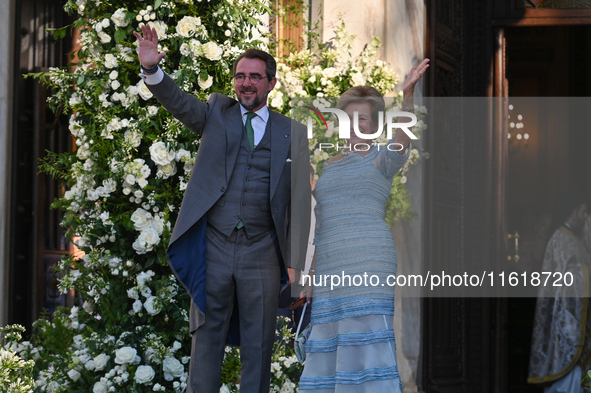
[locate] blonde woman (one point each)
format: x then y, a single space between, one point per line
351 347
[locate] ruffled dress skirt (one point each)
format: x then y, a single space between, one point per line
351 348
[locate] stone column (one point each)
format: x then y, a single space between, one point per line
6 97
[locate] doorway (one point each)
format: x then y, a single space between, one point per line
544 160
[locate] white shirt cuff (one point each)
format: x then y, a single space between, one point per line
153 79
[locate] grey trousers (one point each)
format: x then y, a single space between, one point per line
245 273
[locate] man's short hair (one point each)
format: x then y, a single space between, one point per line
270 63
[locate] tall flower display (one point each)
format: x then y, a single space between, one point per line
128 330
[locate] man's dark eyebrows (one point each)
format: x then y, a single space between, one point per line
252 73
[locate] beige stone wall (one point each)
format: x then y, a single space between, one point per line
400 24
6 105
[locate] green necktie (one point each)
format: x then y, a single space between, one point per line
249 129
250 136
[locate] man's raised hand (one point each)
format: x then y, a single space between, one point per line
148 47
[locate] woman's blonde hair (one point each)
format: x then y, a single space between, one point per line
361 94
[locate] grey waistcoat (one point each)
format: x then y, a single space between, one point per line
247 195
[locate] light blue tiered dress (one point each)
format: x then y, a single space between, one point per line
351 348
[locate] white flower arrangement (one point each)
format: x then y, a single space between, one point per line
16 374
124 183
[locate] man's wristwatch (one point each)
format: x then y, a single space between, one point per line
149 70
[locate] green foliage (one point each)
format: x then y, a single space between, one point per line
16 374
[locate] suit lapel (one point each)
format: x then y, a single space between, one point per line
233 122
280 143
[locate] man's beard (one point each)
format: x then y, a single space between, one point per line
255 102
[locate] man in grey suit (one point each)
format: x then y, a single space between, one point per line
231 242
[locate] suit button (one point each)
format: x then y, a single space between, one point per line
222 189
243 203
238 217
252 156
245 190
247 179
249 168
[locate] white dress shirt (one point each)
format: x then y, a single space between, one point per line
259 122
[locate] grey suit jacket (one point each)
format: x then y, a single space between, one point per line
219 123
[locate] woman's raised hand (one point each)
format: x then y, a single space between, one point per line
148 47
413 77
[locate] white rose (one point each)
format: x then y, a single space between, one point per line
168 170
277 101
114 262
105 38
113 75
100 387
74 375
212 51
125 355
106 23
146 291
118 18
100 361
115 84
172 368
88 307
144 374
83 153
132 293
150 307
152 110
160 154
92 195
132 91
158 224
141 219
143 90
187 26
182 153
160 28
195 48
147 239
110 61
102 192
133 138
224 389
137 306
89 365
142 182
204 84
358 79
